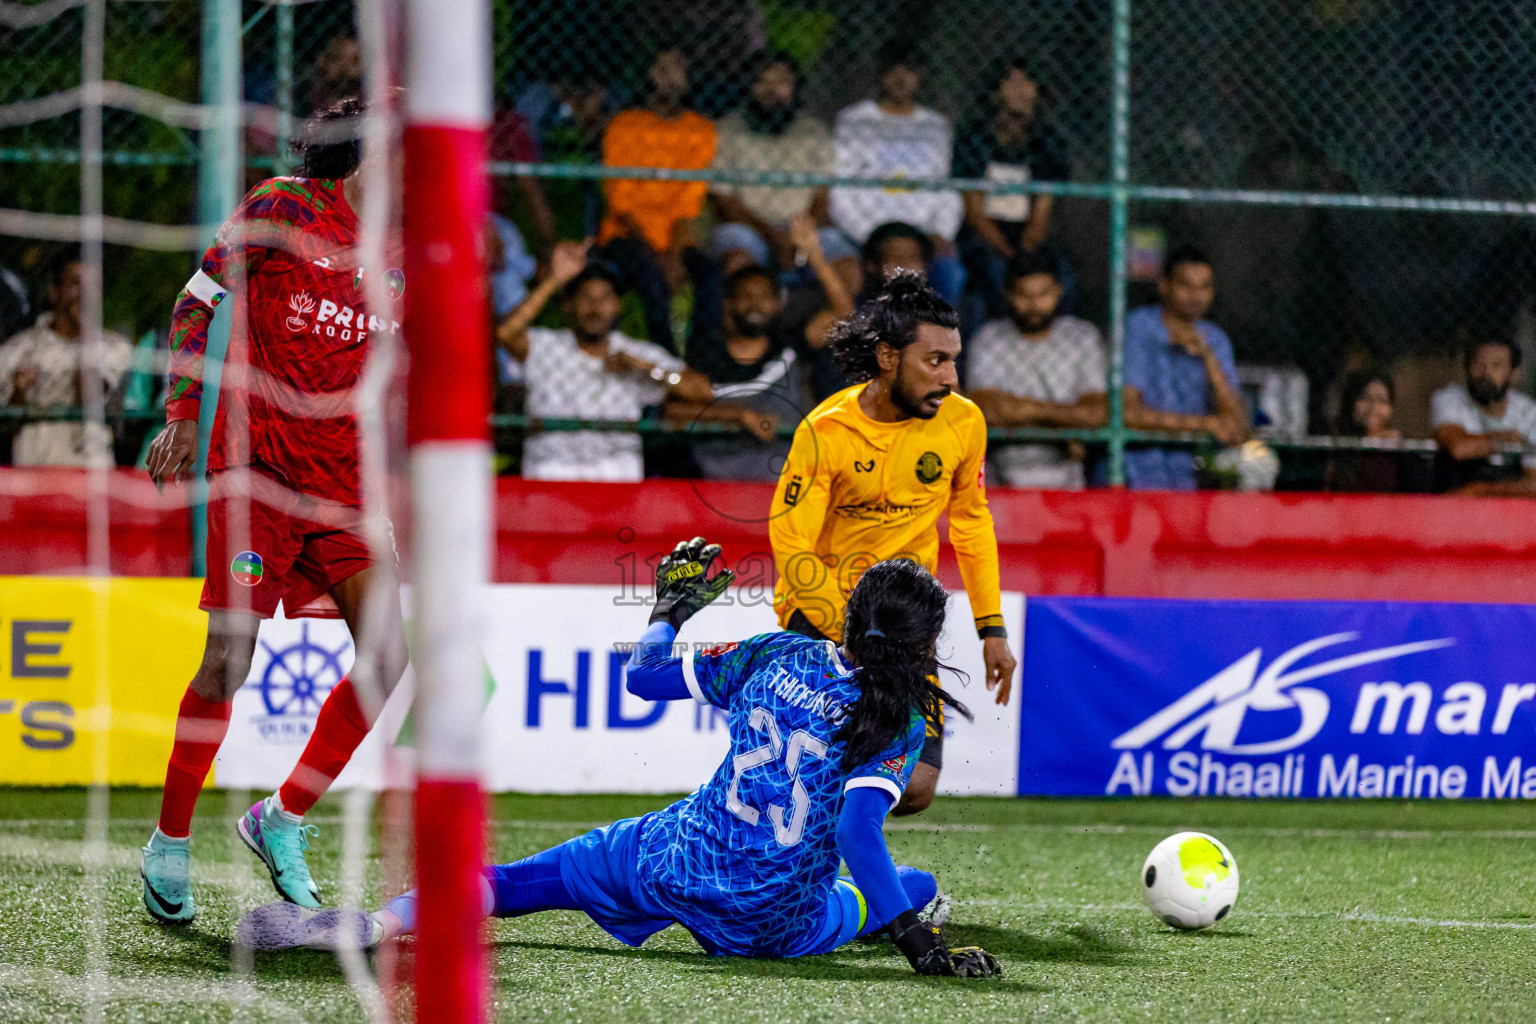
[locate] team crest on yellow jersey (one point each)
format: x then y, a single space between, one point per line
929 468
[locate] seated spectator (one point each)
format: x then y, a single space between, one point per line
893 136
754 366
15 303
719 39
511 265
589 371
1007 143
641 233
889 248
1037 369
567 119
509 268
511 139
771 133
1473 422
40 369
1365 412
1179 374
1365 408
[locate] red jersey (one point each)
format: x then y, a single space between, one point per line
292 247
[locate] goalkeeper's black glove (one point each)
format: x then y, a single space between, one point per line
683 582
923 945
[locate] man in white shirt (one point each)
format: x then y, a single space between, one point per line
1037 369
40 369
589 371
1474 421
771 133
893 136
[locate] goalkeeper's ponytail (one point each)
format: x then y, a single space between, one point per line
891 631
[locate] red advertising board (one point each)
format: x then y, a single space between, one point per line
1125 543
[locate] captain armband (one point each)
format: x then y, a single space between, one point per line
206 290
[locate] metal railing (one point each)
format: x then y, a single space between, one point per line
1396 193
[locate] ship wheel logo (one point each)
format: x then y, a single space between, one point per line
300 676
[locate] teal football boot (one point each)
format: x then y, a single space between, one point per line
280 840
165 869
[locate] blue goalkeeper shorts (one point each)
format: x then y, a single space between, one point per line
601 872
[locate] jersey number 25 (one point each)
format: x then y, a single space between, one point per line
801 744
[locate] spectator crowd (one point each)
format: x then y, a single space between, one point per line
709 304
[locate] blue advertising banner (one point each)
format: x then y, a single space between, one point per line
1125 696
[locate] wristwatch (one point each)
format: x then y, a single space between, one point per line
660 376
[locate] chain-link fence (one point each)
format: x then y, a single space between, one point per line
1354 171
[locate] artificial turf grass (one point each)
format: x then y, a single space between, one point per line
1347 913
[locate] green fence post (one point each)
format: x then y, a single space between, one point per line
218 191
1119 174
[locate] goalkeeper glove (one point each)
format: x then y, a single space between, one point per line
924 948
683 582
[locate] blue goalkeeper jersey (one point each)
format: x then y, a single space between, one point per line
748 859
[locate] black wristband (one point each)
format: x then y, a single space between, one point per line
670 612
798 623
988 626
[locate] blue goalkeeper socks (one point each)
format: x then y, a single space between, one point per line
530 885
405 905
919 885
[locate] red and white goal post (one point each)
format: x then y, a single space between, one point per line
447 109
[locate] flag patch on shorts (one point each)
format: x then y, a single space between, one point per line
246 568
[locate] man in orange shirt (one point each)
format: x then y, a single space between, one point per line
640 232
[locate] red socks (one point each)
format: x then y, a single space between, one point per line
200 728
339 728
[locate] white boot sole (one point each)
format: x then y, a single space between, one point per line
289 926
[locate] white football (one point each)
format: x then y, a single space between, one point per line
1190 881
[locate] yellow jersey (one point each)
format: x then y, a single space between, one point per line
856 491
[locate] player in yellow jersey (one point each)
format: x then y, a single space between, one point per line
869 472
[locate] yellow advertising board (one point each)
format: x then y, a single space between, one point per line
91 675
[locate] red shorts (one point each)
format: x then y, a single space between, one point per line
278 546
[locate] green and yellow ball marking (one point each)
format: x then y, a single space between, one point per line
1199 858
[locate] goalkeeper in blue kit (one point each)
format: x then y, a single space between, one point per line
823 741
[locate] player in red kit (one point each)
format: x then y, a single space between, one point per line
285 510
